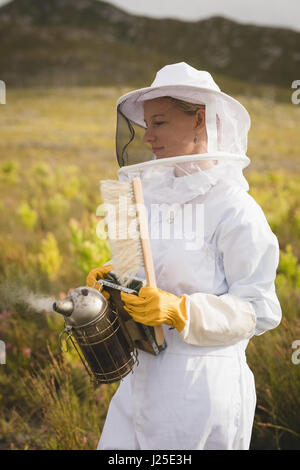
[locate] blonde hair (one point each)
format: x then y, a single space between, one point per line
186 107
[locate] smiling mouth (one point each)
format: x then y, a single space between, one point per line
156 149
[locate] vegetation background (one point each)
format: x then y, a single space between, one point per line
56 143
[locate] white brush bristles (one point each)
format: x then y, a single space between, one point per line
123 229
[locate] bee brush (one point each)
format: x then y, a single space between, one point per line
128 233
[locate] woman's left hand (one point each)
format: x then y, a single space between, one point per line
154 306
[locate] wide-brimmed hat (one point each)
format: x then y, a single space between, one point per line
180 81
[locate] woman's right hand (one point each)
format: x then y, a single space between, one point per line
96 274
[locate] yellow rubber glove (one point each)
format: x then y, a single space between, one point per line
95 275
154 306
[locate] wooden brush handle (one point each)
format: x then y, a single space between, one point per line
146 248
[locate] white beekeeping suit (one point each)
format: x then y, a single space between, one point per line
198 393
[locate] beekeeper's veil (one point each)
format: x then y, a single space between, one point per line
227 121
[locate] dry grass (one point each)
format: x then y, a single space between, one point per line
55 147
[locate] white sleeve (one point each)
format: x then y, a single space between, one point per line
250 255
217 320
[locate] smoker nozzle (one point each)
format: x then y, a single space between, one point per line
65 307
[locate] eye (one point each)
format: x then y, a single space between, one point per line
158 123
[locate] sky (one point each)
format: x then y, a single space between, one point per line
283 13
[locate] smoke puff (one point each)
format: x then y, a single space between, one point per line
12 294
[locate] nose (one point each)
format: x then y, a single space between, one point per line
148 136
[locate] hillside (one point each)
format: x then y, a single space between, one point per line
89 42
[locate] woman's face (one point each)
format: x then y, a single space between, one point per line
171 132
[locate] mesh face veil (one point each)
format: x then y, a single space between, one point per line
130 147
227 121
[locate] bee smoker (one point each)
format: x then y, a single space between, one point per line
104 335
98 334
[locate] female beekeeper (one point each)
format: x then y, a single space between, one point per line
216 278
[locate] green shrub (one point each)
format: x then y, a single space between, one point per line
49 257
27 215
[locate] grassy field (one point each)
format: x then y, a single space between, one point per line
55 146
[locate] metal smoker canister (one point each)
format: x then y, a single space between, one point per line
100 334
